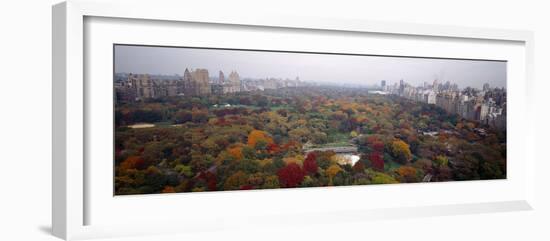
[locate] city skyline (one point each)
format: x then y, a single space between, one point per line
310 67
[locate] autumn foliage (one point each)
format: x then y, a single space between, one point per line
168 189
407 172
133 162
310 163
236 181
332 171
236 152
359 167
295 137
256 136
378 146
401 150
291 175
273 148
376 161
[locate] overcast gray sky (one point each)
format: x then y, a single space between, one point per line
367 70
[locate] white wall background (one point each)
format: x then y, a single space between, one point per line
25 120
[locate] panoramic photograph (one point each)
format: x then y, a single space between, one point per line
192 119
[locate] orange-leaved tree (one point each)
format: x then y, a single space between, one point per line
407 173
236 152
133 162
256 136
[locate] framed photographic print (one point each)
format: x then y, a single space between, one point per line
196 120
202 131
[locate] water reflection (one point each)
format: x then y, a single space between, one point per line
350 159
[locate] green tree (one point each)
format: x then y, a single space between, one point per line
235 181
271 181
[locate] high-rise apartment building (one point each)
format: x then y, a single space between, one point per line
196 82
233 84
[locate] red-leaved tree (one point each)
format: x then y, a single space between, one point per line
291 175
378 146
272 147
377 161
358 167
210 179
310 163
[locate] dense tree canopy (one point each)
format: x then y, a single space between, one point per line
290 137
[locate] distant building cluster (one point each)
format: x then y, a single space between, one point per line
487 106
270 83
134 87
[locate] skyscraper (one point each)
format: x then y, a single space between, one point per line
401 87
435 85
196 82
233 84
221 78
486 87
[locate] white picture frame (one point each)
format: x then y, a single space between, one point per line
71 191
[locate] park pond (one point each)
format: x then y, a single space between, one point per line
344 154
347 158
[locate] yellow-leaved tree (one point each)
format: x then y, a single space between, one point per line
332 171
401 151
